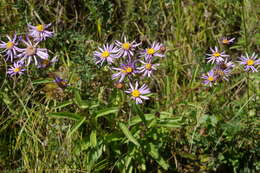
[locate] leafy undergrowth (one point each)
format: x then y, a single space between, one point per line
90 125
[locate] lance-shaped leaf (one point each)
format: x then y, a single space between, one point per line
154 153
79 102
68 115
76 126
106 112
128 134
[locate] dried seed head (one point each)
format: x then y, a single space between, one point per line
162 49
119 85
30 50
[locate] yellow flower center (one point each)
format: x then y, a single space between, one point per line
126 46
9 45
250 62
216 54
40 28
210 78
225 41
30 50
16 70
150 51
135 93
127 70
105 54
148 66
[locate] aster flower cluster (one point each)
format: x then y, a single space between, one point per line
223 64
21 52
131 65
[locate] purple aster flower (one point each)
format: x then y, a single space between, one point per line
216 56
147 68
227 41
210 78
126 48
222 73
17 68
39 32
152 51
44 63
61 82
124 70
137 94
31 51
108 53
250 63
226 64
10 47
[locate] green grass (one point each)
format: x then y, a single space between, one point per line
93 127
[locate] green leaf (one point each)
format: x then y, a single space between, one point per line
170 122
137 119
154 153
115 136
42 81
128 134
79 102
93 138
106 112
68 115
84 144
64 104
187 155
257 38
76 126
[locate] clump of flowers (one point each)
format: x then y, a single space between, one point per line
21 52
131 65
223 64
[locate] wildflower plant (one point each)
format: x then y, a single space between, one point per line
223 64
21 52
131 65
